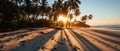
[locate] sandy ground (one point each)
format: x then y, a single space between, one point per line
48 39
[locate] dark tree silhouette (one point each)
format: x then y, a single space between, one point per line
90 17
85 18
37 13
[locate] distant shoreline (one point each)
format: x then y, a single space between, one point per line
114 27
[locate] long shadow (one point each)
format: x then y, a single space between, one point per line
60 44
91 47
14 33
21 35
107 33
105 43
35 43
110 40
17 38
68 39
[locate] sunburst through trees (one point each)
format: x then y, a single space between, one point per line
38 13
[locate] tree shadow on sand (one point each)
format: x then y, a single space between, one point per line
89 45
35 43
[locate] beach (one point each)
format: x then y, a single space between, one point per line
49 39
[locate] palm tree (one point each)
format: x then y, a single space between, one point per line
12 13
43 8
73 8
27 11
90 17
74 5
48 12
57 9
84 18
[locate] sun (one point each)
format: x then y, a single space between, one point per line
63 19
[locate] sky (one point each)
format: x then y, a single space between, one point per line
105 12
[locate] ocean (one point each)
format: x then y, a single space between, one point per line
111 27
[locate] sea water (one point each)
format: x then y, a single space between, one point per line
109 27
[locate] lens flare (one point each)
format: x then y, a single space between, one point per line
63 19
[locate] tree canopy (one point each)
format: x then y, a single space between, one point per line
36 13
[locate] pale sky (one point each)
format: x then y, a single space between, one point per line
105 12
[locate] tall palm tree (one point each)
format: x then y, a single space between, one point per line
12 13
43 8
57 9
73 8
73 4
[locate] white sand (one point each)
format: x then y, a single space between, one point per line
47 39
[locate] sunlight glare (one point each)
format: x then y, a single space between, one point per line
63 19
